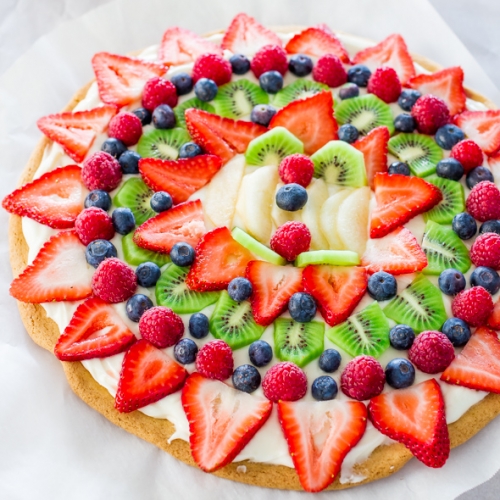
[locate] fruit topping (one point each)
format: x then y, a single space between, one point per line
296 168
129 161
330 257
257 248
385 84
468 153
98 250
348 133
260 353
431 352
262 114
238 98
329 70
483 127
490 226
148 273
182 254
485 250
291 197
408 98
451 282
135 255
213 67
198 325
205 89
299 89
246 378
324 388
448 135
284 381
399 167
96 198
382 286
329 361
162 144
114 281
477 175
239 289
185 351
359 74
457 331
474 306
404 123
449 168
483 202
269 58
399 373
161 201
430 113
163 117
363 378
374 148
271 82
487 278
291 239
348 91
92 224
101 171
137 305
215 360
125 127
123 220
300 65
240 64
401 337
136 196
161 327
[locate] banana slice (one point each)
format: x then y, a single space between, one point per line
328 219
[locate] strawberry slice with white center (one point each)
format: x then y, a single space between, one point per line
182 223
396 253
54 199
310 119
337 290
59 272
494 319
95 331
180 178
374 148
221 419
121 79
147 375
416 418
483 127
319 436
75 131
392 52
272 288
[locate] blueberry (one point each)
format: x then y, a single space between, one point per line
260 353
262 114
329 361
449 168
144 115
98 198
123 220
205 89
399 373
448 135
239 64
239 289
114 147
246 378
404 123
359 74
129 161
457 331
198 325
348 133
408 98
486 277
348 91
183 83
382 286
300 65
451 282
324 388
98 250
291 197
185 351
163 117
161 201
271 82
182 254
464 225
148 273
190 150
490 226
477 175
302 307
137 305
401 337
398 167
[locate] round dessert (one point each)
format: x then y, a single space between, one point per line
272 253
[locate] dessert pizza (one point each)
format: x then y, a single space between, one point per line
272 253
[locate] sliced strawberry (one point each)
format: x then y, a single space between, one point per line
219 259
148 375
483 127
319 436
272 288
337 290
121 79
180 178
185 222
59 272
391 52
95 331
54 199
75 131
416 418
374 148
494 319
396 253
399 199
310 119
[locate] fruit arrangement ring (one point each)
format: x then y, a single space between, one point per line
261 264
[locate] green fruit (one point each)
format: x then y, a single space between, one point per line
453 201
270 148
256 247
332 257
190 103
163 144
237 98
299 89
134 194
135 255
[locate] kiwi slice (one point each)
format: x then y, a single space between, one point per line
444 249
365 112
256 247
418 151
332 257
163 144
238 98
366 332
299 343
134 194
172 291
136 255
453 201
340 164
270 148
233 322
190 103
299 89
419 305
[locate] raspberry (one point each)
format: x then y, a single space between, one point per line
101 171
215 360
159 91
290 239
473 306
485 251
269 57
430 113
431 352
284 381
385 84
329 70
114 281
483 202
363 378
161 326
214 67
468 153
125 127
94 224
297 168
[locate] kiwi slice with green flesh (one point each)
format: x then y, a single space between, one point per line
332 257
190 103
420 305
234 323
299 343
256 247
340 164
162 143
270 148
418 151
135 194
238 98
172 291
444 249
366 332
136 255
453 201
299 89
365 112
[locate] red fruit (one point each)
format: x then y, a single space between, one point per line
485 251
94 224
291 239
337 290
329 70
147 376
161 327
101 171
159 91
59 272
318 461
216 438
374 148
95 331
483 127
269 58
363 378
296 168
284 381
125 127
431 352
310 119
474 306
400 198
415 417
212 66
54 199
75 131
272 288
483 202
385 84
430 113
494 319
215 360
468 153
114 281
